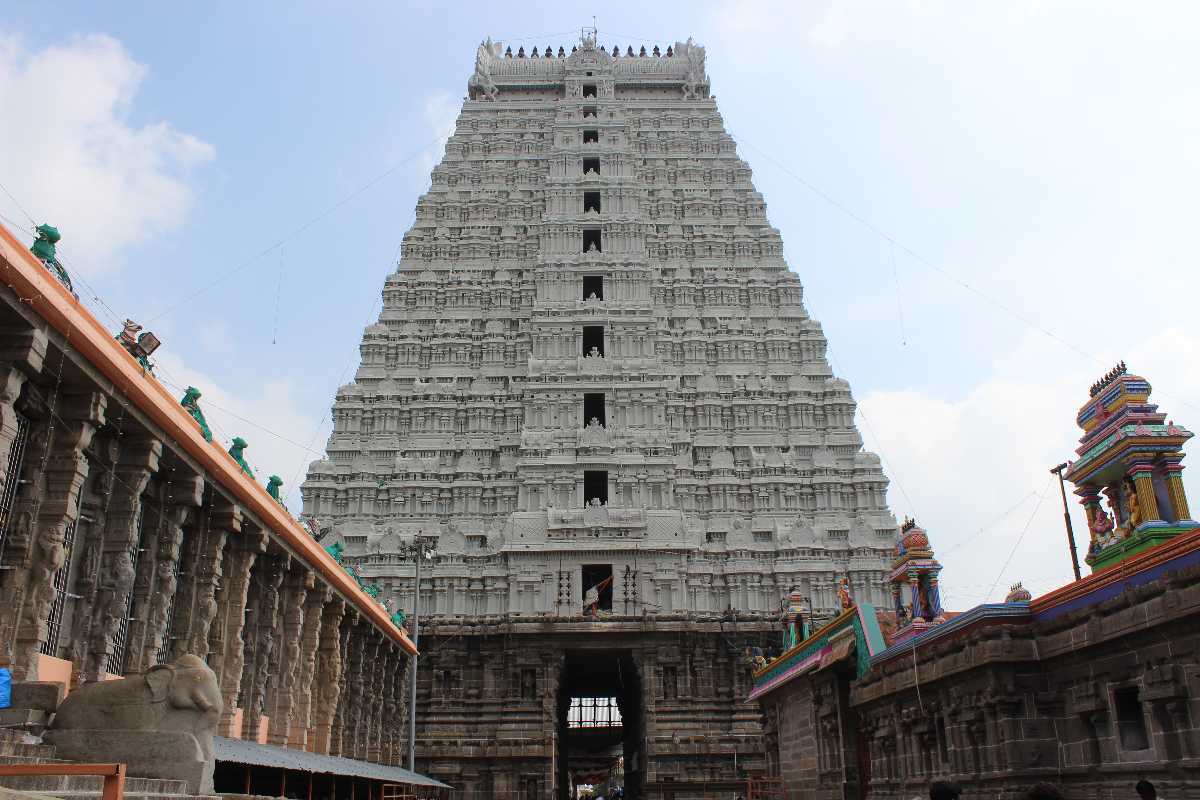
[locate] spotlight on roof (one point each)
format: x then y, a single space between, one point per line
140 346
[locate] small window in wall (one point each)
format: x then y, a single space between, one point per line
591 202
591 137
589 90
529 684
595 487
670 682
593 341
597 587
593 287
589 112
593 408
591 165
591 242
1131 722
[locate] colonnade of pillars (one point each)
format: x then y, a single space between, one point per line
117 553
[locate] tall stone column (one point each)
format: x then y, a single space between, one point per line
310 639
346 730
72 424
22 353
226 637
329 676
261 640
282 702
196 601
136 464
179 494
368 720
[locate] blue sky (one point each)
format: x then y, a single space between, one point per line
1043 154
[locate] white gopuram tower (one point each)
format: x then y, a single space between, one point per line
594 382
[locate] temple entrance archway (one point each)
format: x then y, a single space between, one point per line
600 722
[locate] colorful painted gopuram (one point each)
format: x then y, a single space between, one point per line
1130 454
914 580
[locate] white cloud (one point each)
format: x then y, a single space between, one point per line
439 111
831 30
72 157
980 462
274 416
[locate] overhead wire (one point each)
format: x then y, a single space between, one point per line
1021 538
296 231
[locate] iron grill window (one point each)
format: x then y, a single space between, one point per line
16 460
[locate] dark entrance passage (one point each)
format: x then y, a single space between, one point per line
600 729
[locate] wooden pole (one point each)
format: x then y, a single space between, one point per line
247 779
283 783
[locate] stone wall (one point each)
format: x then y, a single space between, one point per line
1092 699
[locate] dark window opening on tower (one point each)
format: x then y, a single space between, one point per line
597 589
595 487
1131 721
589 90
591 137
591 242
593 340
589 112
591 165
593 408
591 202
593 287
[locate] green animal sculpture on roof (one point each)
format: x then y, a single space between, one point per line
336 549
372 589
235 450
190 404
44 248
399 618
273 484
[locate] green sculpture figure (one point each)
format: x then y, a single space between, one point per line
336 549
192 407
398 619
372 589
235 450
44 248
273 484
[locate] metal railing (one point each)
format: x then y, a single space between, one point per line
113 774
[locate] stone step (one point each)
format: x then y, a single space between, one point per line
24 719
58 785
26 749
30 760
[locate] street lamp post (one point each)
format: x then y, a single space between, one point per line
1062 487
418 549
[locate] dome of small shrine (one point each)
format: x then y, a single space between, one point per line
913 537
1018 594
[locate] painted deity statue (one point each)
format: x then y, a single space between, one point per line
843 593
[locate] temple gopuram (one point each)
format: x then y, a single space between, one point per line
1091 687
1131 456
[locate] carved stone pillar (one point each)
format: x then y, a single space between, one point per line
329 676
310 639
178 493
340 743
137 461
52 507
372 699
22 353
227 648
196 601
281 706
261 643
